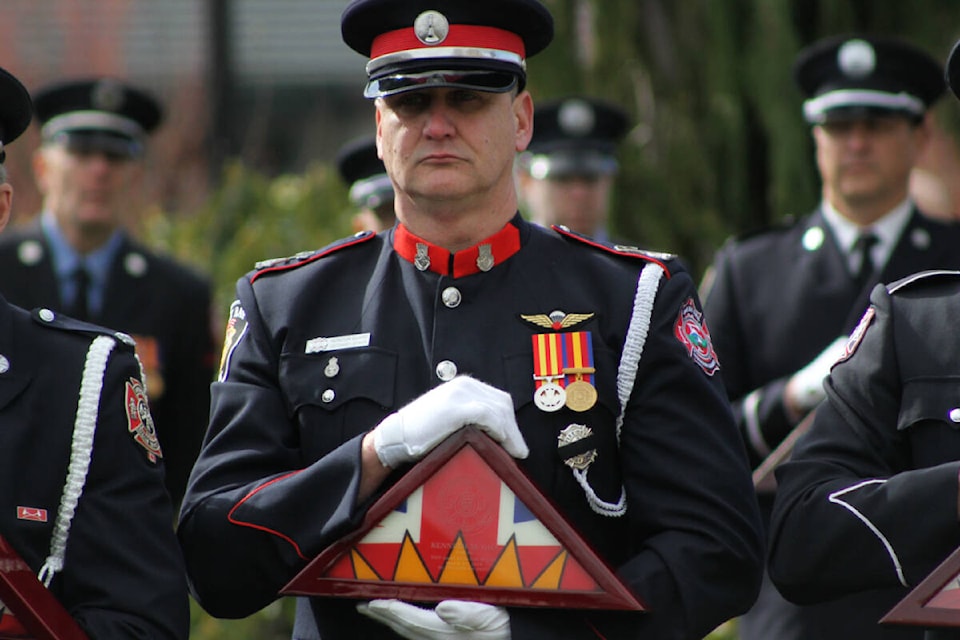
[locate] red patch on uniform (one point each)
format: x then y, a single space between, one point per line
32 513
140 421
691 330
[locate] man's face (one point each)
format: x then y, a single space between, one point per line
578 202
88 191
867 161
451 144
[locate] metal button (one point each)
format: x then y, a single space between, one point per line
451 297
4 364
955 415
446 370
46 315
332 368
328 395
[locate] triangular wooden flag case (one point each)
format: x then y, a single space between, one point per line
466 523
935 602
39 615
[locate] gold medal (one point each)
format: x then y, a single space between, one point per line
581 395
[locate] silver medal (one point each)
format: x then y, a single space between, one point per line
550 397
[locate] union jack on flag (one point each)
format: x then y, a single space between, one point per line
463 526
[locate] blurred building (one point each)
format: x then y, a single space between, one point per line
268 81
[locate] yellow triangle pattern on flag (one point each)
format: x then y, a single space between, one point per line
458 569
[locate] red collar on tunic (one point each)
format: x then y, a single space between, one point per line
481 257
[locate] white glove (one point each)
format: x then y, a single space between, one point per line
450 619
805 388
411 432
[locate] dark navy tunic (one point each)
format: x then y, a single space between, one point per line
277 477
123 574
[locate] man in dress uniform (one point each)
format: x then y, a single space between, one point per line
566 174
869 498
78 257
371 191
344 367
782 301
82 500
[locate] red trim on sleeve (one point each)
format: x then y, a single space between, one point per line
241 523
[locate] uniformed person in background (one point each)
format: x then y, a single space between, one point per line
82 500
566 175
782 301
78 256
371 191
344 367
869 498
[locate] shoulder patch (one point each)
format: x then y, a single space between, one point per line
55 320
305 257
618 249
923 278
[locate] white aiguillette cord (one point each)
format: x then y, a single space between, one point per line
80 452
647 286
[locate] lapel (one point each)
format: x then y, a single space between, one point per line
924 244
126 296
33 282
13 378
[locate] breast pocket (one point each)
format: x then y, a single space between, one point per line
335 396
333 379
930 418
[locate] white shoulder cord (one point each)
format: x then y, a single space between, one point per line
626 376
80 452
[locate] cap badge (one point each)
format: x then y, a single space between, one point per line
107 95
856 58
576 118
431 27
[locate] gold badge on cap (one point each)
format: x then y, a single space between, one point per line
431 27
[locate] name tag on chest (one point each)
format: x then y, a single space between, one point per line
336 343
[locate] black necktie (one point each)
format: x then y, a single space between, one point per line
862 248
80 309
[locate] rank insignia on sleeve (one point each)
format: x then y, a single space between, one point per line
140 421
556 319
857 336
236 327
691 330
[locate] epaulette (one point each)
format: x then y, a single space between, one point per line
305 257
48 318
617 249
934 276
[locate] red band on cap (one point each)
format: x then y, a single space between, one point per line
460 35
